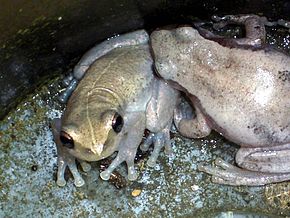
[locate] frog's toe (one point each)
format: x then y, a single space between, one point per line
61 181
168 148
132 174
160 140
147 142
219 175
66 81
68 91
105 175
152 161
78 180
228 174
85 166
284 23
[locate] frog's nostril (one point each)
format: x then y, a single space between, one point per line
66 140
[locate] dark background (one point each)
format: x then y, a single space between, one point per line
40 39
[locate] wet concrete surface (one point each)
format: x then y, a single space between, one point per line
174 188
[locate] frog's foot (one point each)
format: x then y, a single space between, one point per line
67 160
284 23
225 173
132 134
255 31
66 81
159 140
121 157
68 91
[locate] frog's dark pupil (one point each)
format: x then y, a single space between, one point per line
66 140
117 123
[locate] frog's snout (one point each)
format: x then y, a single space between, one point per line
66 140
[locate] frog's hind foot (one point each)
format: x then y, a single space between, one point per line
64 96
225 173
159 140
284 23
254 26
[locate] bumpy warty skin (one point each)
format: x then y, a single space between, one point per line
244 94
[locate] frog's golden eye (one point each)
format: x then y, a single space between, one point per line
117 123
66 140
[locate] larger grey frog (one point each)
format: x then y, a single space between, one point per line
115 101
244 94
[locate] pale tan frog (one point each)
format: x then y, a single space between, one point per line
244 94
115 101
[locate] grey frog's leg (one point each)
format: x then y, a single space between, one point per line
129 39
133 38
159 115
255 31
159 139
69 90
64 159
131 138
260 166
189 125
284 23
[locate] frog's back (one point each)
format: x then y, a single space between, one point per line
251 94
244 94
117 78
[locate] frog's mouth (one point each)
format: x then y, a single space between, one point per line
85 154
97 152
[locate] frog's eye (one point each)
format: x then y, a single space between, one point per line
66 140
117 123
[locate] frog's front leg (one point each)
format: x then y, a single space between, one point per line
129 39
64 159
259 166
159 116
159 140
134 126
255 31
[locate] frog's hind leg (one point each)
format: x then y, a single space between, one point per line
284 23
260 166
275 159
254 26
68 91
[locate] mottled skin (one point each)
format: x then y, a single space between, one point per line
241 93
118 87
